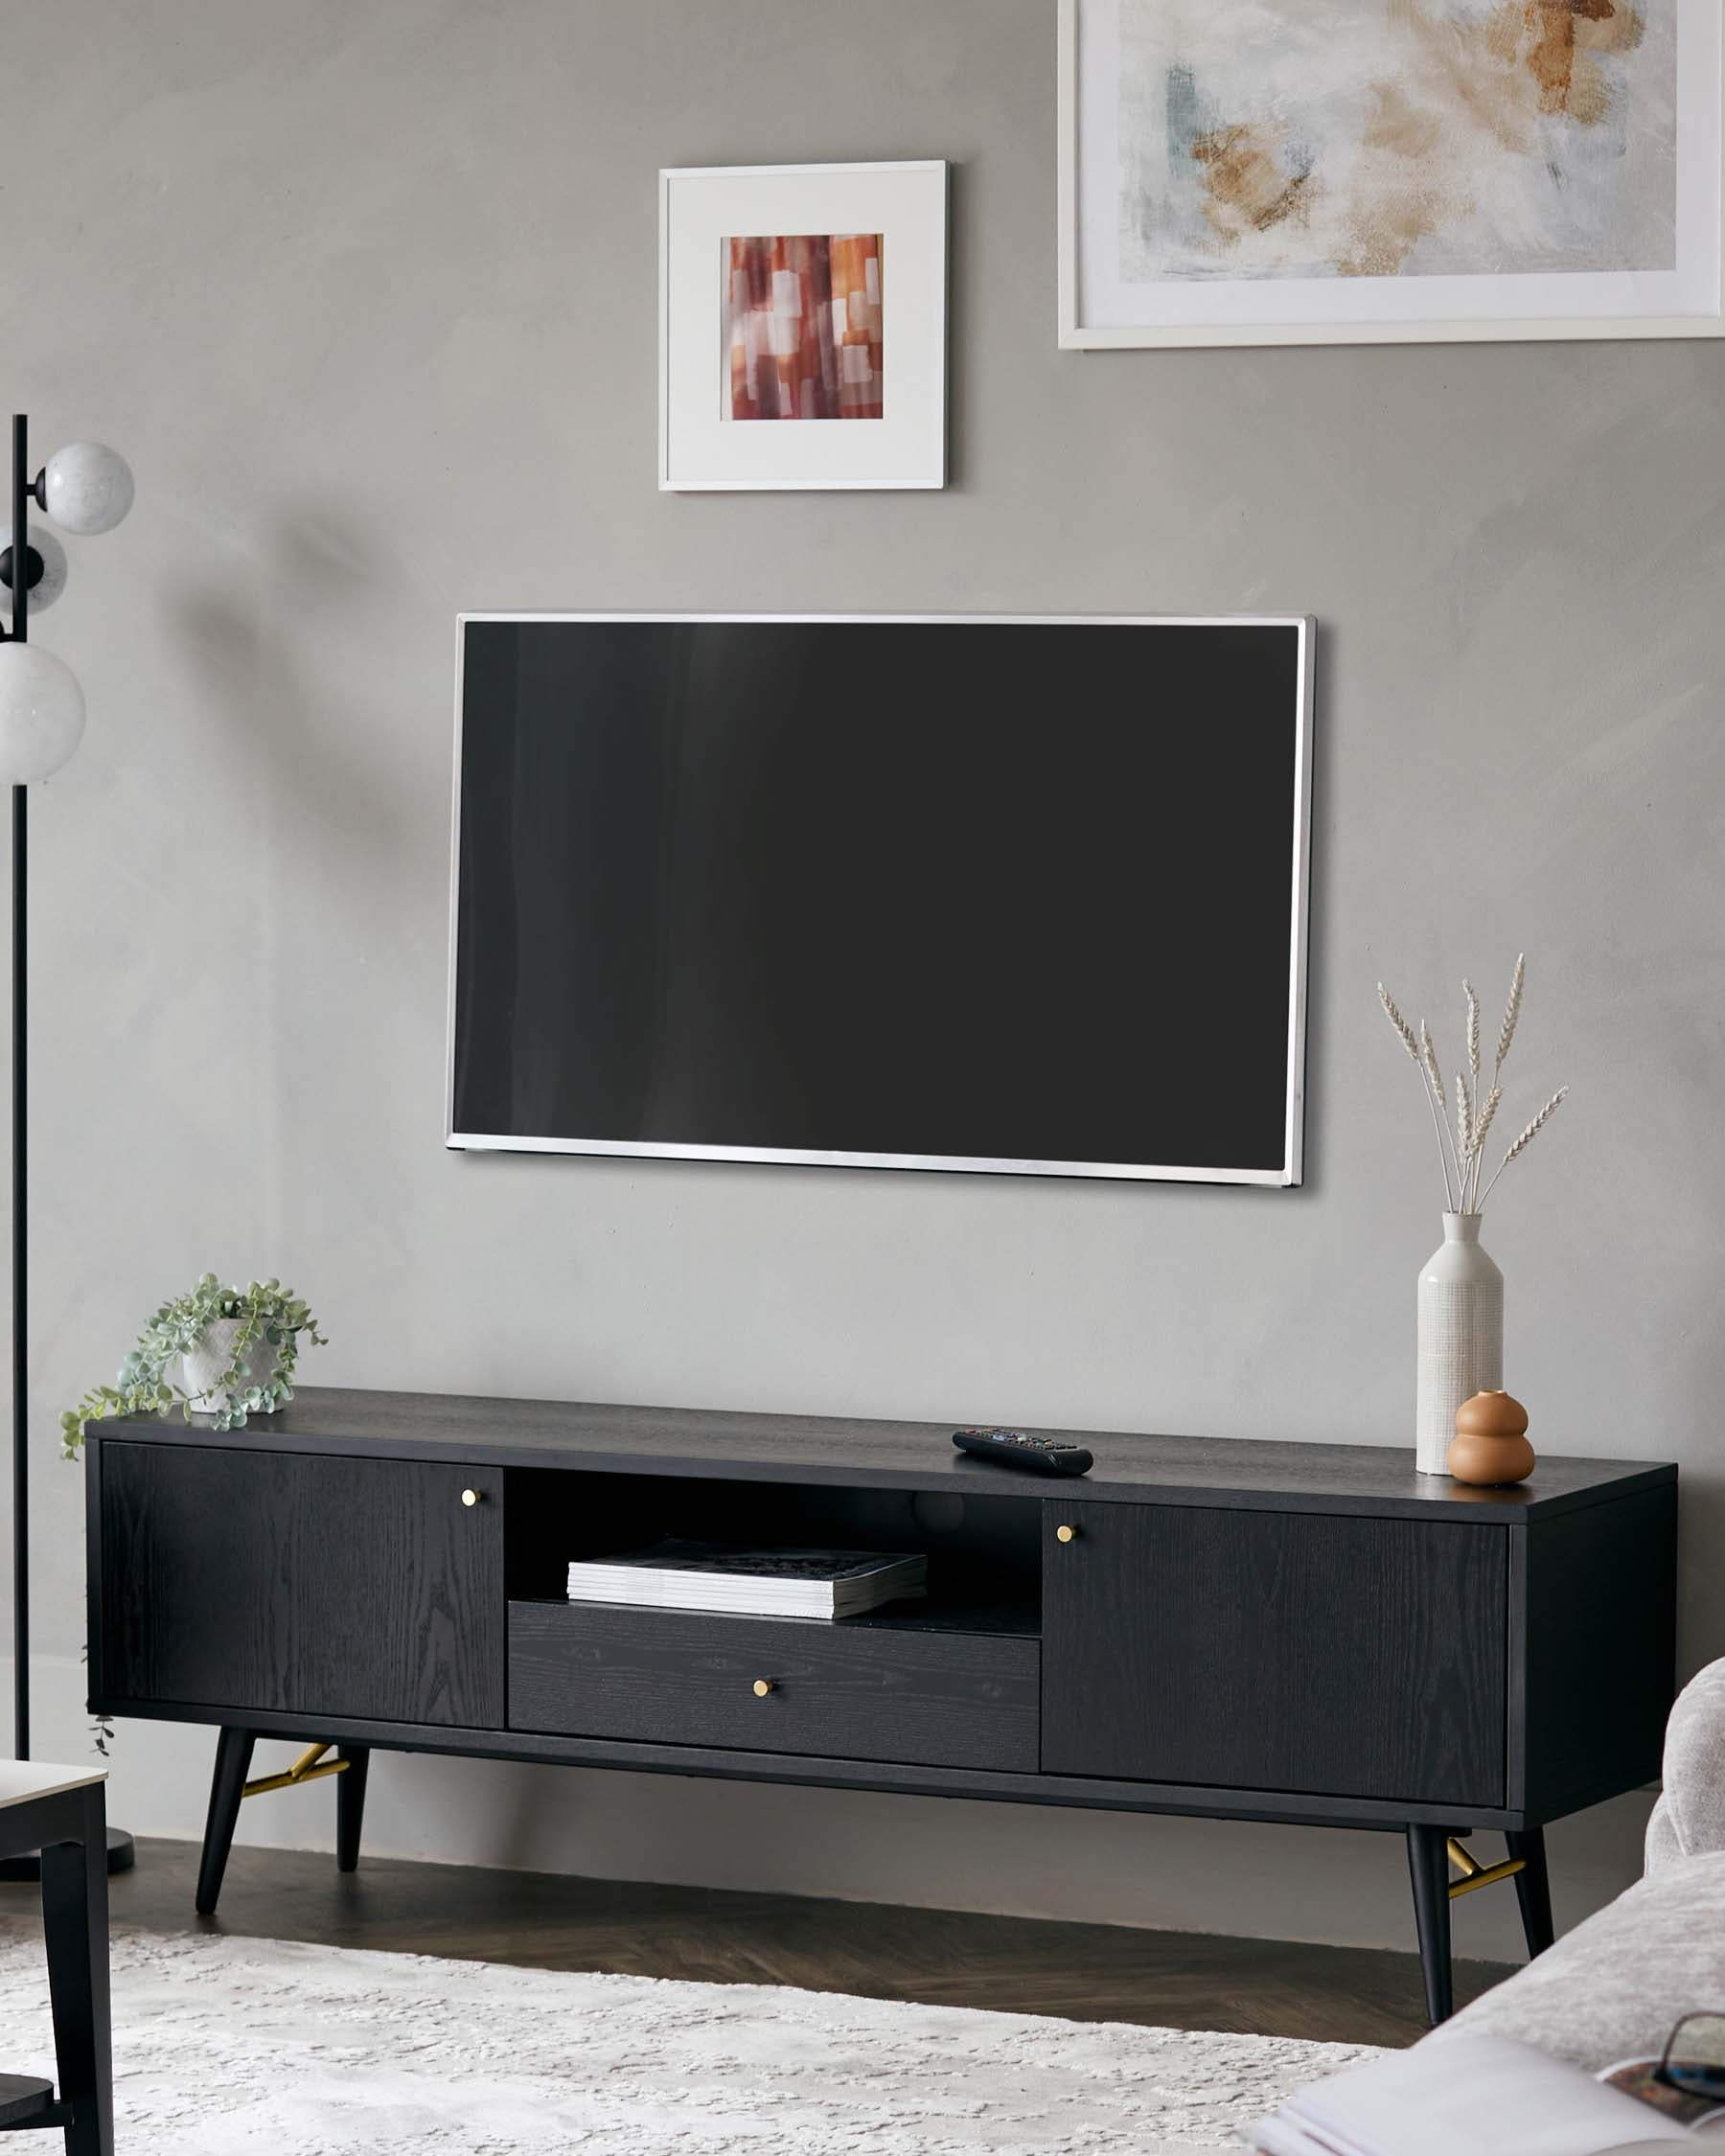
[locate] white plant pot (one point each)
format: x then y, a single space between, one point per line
1460 1337
203 1364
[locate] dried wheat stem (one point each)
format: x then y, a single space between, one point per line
1405 1033
1400 1023
1527 1136
1473 1028
1538 1123
1450 1202
1481 1125
1434 1071
1434 1079
1511 1011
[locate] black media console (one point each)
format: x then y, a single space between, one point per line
1304 1632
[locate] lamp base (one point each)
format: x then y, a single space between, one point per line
25 1871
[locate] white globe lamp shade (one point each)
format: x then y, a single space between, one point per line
41 713
48 587
86 488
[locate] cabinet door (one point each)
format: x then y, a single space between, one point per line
301 1584
198 1595
401 1612
1306 1652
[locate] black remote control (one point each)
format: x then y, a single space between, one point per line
1043 1455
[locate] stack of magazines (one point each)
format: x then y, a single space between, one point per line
1483 2096
711 1575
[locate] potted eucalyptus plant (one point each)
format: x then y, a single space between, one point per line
223 1351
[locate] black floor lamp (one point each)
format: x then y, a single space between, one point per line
84 489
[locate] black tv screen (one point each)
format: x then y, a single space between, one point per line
1003 894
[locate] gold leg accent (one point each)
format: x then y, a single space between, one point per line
310 1766
1474 1873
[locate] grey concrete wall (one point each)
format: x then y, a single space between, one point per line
368 295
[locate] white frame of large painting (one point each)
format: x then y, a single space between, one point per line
1096 313
702 447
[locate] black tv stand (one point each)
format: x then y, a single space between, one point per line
1310 1633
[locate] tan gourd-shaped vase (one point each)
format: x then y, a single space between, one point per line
1492 1441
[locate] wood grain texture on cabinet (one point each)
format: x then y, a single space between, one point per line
301 1584
948 1699
1597 1595
400 1614
1347 1656
197 1576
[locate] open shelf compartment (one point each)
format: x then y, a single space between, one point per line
983 1550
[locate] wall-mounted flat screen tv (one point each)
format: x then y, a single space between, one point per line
1016 895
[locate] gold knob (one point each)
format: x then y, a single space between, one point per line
473 1497
1066 1534
762 1687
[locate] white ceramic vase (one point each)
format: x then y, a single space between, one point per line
203 1364
1461 1336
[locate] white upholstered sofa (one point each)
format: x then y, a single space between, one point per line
1612 1988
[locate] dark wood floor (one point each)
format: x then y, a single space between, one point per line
1086 1972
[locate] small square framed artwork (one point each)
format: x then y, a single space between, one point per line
802 326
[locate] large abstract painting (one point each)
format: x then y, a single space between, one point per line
1307 170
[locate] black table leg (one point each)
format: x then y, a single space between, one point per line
74 1920
1534 1887
233 1763
349 1806
1428 1862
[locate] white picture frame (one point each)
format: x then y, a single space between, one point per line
703 444
1099 310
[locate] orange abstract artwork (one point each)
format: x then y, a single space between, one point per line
802 321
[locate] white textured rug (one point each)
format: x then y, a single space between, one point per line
227 2045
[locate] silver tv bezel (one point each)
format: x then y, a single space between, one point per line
1285 1176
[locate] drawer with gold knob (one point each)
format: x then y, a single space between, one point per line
854 1689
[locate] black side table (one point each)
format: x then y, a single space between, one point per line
60 1811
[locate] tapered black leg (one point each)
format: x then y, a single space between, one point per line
1428 1862
1534 1887
349 1806
233 1763
75 1921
